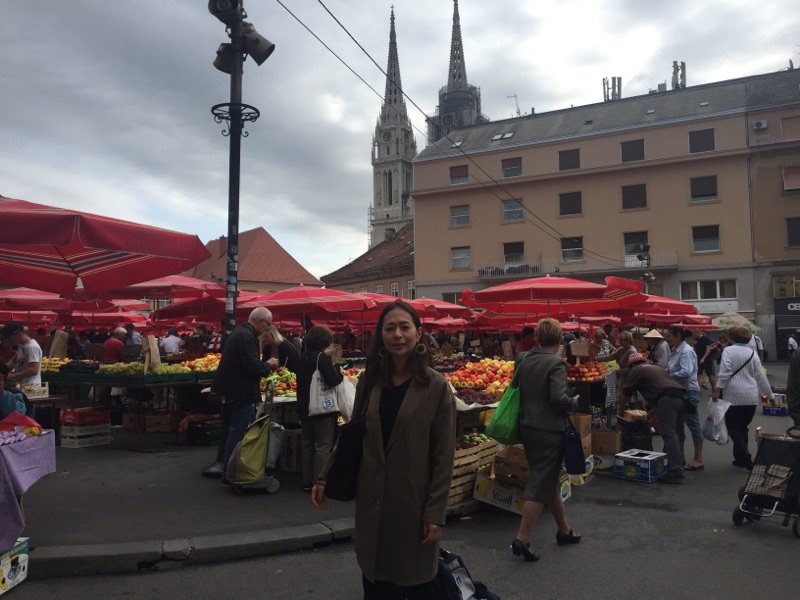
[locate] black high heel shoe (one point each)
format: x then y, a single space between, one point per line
567 538
524 550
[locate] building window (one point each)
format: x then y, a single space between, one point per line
459 258
571 249
395 290
634 241
412 289
379 289
793 231
569 159
459 216
634 196
709 289
704 189
349 291
655 288
701 141
632 150
791 179
570 203
512 211
512 167
364 289
451 297
514 253
459 174
705 238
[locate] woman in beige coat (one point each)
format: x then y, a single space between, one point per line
407 464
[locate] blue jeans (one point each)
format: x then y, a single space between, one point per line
242 414
693 420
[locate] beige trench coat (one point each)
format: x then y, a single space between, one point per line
405 486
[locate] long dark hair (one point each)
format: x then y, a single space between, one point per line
379 369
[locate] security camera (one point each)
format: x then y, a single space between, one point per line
227 11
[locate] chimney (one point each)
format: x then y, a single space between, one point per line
223 246
388 234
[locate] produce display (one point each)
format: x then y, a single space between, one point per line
136 369
445 363
490 374
53 364
472 439
587 371
206 363
473 396
17 433
285 382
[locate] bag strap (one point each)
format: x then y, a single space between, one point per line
517 369
743 364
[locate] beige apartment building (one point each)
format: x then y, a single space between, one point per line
695 190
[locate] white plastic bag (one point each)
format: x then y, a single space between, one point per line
346 398
322 397
714 429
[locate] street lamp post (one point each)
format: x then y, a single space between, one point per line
230 59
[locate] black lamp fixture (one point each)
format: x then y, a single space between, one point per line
244 41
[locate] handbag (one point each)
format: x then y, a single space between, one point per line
345 398
504 424
574 459
341 479
737 370
322 397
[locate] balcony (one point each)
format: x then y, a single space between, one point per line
612 263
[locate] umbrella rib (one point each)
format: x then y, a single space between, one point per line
67 262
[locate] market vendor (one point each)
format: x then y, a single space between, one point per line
278 351
527 341
114 345
669 398
26 366
9 402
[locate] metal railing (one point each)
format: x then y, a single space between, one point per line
613 263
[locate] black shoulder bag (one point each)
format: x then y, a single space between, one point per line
341 479
739 369
574 460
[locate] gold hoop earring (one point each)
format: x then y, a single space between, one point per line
383 352
420 349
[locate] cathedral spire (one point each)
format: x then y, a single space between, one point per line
457 78
394 87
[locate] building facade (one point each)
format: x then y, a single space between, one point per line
696 190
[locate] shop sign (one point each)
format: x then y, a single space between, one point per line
787 306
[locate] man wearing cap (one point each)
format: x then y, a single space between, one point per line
659 348
26 366
667 395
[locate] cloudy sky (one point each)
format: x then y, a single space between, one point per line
106 103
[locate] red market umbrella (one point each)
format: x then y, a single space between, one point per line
206 308
31 318
558 297
117 319
50 248
310 301
29 299
110 305
171 286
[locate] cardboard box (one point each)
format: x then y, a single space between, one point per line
85 442
161 422
290 454
776 408
505 495
34 391
588 473
85 430
603 464
582 423
14 565
511 465
85 416
640 465
606 441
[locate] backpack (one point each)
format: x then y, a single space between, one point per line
453 581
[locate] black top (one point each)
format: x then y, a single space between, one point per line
391 400
287 355
652 382
240 369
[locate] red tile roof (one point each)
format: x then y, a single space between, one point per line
261 260
388 256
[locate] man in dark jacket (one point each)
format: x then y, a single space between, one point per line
666 394
793 388
239 374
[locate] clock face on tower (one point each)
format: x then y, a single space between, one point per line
387 136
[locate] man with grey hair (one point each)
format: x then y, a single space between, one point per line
238 376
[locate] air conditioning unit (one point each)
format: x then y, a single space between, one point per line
759 125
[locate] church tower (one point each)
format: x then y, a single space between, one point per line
393 149
459 102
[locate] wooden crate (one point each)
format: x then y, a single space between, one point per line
465 465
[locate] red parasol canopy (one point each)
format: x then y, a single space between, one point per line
207 308
29 299
171 286
50 248
305 300
105 319
31 318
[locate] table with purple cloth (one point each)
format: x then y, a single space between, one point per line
21 465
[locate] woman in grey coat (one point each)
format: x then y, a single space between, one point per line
544 404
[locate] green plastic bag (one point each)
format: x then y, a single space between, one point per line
504 424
